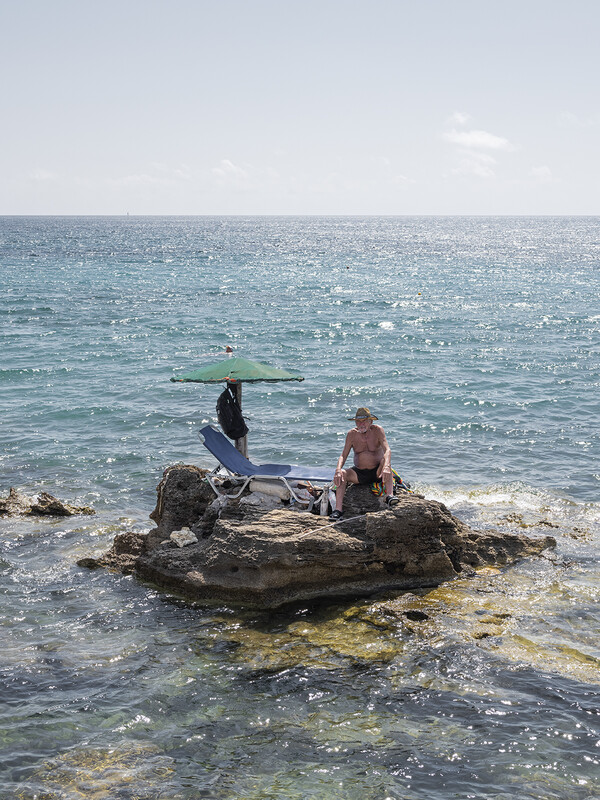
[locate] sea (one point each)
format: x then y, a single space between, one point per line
474 340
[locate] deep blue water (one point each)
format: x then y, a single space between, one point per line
476 341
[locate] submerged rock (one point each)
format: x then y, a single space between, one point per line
43 504
127 769
268 557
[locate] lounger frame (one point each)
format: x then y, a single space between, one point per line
223 470
246 480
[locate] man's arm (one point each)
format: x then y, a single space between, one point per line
342 459
385 468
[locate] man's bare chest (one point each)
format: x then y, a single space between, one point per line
366 444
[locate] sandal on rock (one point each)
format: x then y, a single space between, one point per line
335 515
391 501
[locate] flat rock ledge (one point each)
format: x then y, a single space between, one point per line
271 556
42 505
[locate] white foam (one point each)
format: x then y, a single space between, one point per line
494 502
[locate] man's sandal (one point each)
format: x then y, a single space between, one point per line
391 501
335 515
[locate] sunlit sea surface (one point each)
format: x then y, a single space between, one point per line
476 341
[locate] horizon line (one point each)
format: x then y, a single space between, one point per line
128 215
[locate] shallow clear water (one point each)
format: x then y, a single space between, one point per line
475 340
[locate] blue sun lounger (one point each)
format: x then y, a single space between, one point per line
238 465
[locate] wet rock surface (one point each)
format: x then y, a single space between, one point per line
43 504
126 549
269 557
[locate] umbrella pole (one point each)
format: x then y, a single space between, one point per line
240 444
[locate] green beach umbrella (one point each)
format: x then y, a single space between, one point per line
234 372
238 370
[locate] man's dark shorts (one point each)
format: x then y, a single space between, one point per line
366 475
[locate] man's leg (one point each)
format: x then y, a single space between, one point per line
348 476
388 483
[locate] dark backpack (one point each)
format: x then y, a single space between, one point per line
230 415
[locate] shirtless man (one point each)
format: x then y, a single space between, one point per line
372 456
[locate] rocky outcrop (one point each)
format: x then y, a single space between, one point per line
122 556
43 504
268 557
183 497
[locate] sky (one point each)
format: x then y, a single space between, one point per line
299 107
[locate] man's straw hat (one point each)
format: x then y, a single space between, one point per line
363 413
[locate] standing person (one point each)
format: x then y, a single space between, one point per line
372 460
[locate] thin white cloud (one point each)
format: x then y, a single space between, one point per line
336 181
158 174
138 179
401 180
473 147
473 163
478 140
542 174
569 120
43 175
182 172
250 177
381 168
227 170
381 161
459 118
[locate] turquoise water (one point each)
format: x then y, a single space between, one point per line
476 341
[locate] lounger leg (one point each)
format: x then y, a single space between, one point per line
209 477
292 492
233 496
